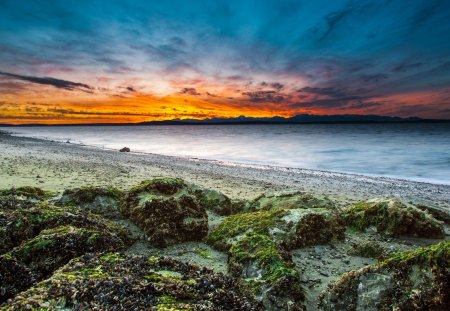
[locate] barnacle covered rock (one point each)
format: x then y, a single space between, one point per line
292 227
31 193
268 270
98 200
19 223
413 280
394 218
290 200
126 282
37 258
167 210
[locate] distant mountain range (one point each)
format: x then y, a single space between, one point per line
298 119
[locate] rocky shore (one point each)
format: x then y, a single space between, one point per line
77 231
77 250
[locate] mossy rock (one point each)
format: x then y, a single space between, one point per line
369 249
258 260
126 282
98 200
413 280
436 212
19 224
292 227
14 277
167 211
53 248
31 193
289 200
394 218
217 202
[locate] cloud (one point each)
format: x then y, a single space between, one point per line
58 83
189 91
374 78
264 96
325 91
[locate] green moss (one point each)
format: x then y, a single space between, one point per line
27 191
205 253
164 186
393 217
437 255
289 200
261 250
111 257
91 273
88 194
255 223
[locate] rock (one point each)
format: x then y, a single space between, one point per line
414 280
20 222
29 193
394 218
217 202
125 149
369 249
437 213
289 200
167 210
292 227
98 200
114 281
268 270
37 258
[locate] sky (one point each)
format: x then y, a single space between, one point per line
131 61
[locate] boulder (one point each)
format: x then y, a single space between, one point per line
38 257
19 223
414 280
293 228
268 270
167 210
98 200
125 149
29 193
394 218
115 281
289 200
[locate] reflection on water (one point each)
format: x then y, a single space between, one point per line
413 151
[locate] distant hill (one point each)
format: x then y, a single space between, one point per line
298 119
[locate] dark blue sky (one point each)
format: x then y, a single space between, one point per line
255 57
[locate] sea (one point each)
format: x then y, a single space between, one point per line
412 151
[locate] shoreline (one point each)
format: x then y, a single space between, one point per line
67 165
261 166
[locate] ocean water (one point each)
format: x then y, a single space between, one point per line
409 151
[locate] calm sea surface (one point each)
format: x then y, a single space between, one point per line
410 151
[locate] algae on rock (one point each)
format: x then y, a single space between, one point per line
413 280
289 200
122 281
167 211
393 217
267 269
98 200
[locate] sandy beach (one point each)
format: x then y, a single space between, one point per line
56 166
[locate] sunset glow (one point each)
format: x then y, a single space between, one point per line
116 62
